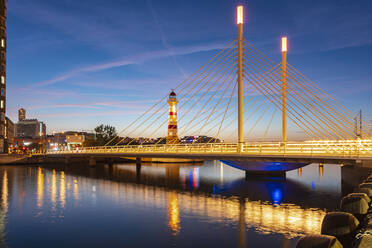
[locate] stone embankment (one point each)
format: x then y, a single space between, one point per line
12 158
349 228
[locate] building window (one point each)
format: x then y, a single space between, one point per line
2 43
2 104
2 80
2 116
2 92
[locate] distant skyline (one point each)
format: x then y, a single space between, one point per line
77 64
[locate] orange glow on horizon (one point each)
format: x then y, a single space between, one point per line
240 15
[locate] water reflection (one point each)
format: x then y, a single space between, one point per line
4 207
173 213
321 170
54 191
262 216
176 195
4 194
76 189
299 171
40 187
62 192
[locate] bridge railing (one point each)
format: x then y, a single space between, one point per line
345 148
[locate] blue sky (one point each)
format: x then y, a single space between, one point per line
76 64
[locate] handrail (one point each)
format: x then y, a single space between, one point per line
332 148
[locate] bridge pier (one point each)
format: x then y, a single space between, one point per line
138 169
255 174
92 162
138 161
67 160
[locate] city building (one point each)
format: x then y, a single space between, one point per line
2 74
30 128
69 140
9 133
21 114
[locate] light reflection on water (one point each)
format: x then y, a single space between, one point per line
180 201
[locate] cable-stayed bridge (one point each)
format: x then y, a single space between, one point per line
236 102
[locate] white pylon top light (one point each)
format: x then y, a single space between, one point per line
284 44
240 15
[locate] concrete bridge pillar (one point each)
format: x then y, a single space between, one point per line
138 169
138 161
67 160
92 162
41 160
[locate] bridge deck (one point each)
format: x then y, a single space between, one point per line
304 151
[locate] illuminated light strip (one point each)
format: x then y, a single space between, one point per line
240 15
284 44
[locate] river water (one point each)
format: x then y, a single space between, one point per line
173 205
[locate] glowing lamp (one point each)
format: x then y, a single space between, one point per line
240 15
284 44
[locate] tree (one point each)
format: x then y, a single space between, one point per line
104 133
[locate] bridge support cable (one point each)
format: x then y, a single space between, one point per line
304 100
275 90
209 80
276 79
257 121
248 105
317 96
332 104
181 87
268 62
211 71
302 103
217 135
250 115
320 91
201 112
212 110
215 106
203 95
233 113
269 124
207 102
221 114
332 121
293 109
270 94
258 53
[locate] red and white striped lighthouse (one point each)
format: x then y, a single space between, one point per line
172 137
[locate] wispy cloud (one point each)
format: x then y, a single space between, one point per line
89 114
131 60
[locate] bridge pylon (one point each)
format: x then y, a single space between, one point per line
240 21
284 89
